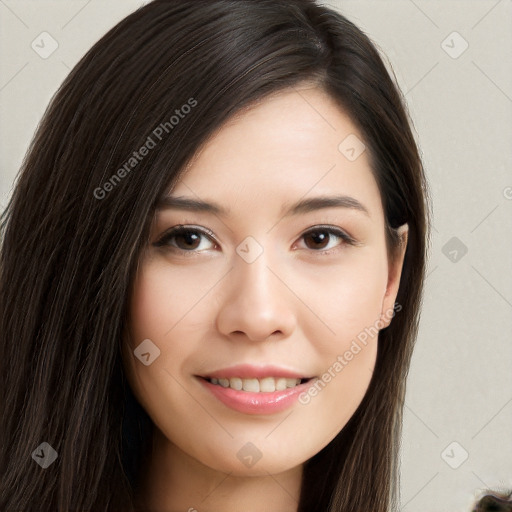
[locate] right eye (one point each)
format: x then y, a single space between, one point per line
184 239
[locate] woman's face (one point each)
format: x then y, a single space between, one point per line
263 297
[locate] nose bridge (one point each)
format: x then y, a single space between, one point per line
258 303
253 273
253 268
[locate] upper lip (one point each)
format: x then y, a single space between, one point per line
247 371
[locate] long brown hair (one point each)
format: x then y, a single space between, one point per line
79 218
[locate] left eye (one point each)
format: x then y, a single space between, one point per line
322 233
190 238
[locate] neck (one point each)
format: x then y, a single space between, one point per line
173 481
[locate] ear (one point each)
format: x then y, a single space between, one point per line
394 273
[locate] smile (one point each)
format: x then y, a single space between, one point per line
254 385
266 395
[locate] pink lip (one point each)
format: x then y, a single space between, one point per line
256 403
248 371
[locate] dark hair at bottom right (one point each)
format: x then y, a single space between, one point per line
494 502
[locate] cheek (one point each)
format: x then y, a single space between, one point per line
158 312
166 301
333 399
344 331
170 306
154 304
345 303
156 307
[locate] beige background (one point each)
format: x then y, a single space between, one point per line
460 384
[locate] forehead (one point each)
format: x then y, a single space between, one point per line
285 148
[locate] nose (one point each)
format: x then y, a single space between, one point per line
257 303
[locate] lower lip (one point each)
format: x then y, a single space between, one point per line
256 403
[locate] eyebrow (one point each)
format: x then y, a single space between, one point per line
301 207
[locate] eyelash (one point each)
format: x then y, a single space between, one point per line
181 228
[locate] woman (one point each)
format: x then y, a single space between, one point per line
257 370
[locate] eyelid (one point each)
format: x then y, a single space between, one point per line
331 229
183 227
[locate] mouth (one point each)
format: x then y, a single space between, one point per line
257 385
256 396
256 389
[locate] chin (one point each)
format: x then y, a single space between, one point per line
241 464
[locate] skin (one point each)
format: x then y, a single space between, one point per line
293 306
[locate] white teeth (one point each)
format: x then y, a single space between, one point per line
266 385
224 383
235 383
291 383
280 384
251 385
